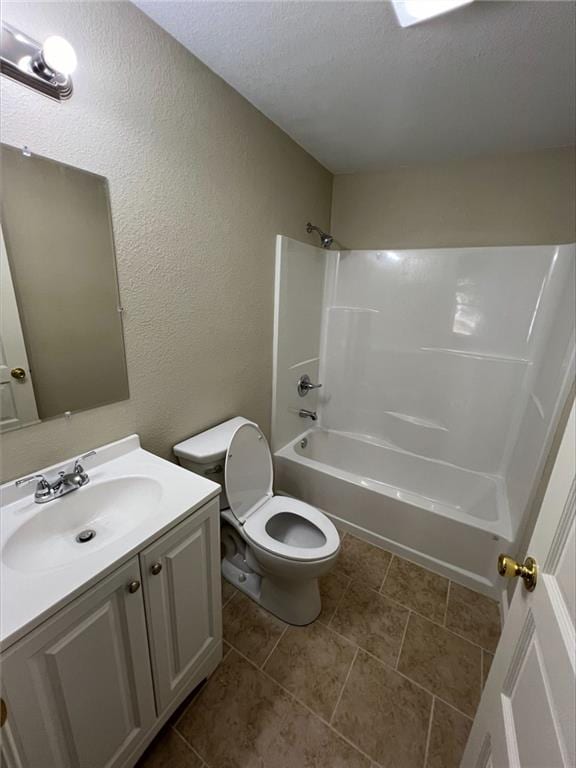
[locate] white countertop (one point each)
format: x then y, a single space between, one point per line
28 597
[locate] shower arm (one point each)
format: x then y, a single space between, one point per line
326 239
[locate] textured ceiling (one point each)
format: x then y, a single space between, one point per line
360 93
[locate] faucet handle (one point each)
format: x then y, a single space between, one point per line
25 480
77 464
305 385
43 487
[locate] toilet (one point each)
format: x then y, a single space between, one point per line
275 548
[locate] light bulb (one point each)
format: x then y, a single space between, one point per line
58 55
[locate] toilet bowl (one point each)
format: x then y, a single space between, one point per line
274 547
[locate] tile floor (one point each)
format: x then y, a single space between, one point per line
389 675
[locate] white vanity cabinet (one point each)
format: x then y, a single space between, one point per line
92 685
183 602
78 689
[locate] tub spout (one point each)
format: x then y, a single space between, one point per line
305 414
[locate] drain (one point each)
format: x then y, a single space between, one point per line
85 536
304 442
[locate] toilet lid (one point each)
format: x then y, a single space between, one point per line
248 471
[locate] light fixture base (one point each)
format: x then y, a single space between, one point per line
411 12
21 59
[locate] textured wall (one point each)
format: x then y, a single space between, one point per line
200 184
521 199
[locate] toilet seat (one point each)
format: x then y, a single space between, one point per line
257 525
281 525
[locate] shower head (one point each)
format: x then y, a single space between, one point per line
326 240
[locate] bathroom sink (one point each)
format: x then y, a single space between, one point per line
52 552
76 525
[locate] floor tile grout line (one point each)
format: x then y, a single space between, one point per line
340 599
412 610
451 706
402 641
447 602
232 597
406 559
320 717
342 637
358 648
437 623
274 646
190 747
476 645
429 734
386 573
344 685
388 666
329 724
193 695
418 565
307 707
418 685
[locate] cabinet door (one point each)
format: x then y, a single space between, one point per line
79 688
10 750
181 575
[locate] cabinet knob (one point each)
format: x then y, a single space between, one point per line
156 568
134 586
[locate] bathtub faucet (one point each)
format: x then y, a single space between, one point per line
305 414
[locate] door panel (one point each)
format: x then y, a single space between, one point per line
87 665
527 714
17 401
183 601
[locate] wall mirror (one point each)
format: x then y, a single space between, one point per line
61 339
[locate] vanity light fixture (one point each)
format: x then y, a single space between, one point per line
410 12
46 68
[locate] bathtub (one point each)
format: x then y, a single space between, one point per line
448 519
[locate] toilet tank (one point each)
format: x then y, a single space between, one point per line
205 453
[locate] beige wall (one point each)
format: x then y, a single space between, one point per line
200 184
527 198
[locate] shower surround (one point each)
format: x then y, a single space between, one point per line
444 372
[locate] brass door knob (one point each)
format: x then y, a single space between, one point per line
528 571
18 373
156 568
134 586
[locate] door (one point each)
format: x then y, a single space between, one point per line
17 402
181 573
526 716
78 689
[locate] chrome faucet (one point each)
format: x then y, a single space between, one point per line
306 414
66 482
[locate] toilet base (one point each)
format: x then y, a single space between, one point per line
295 602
